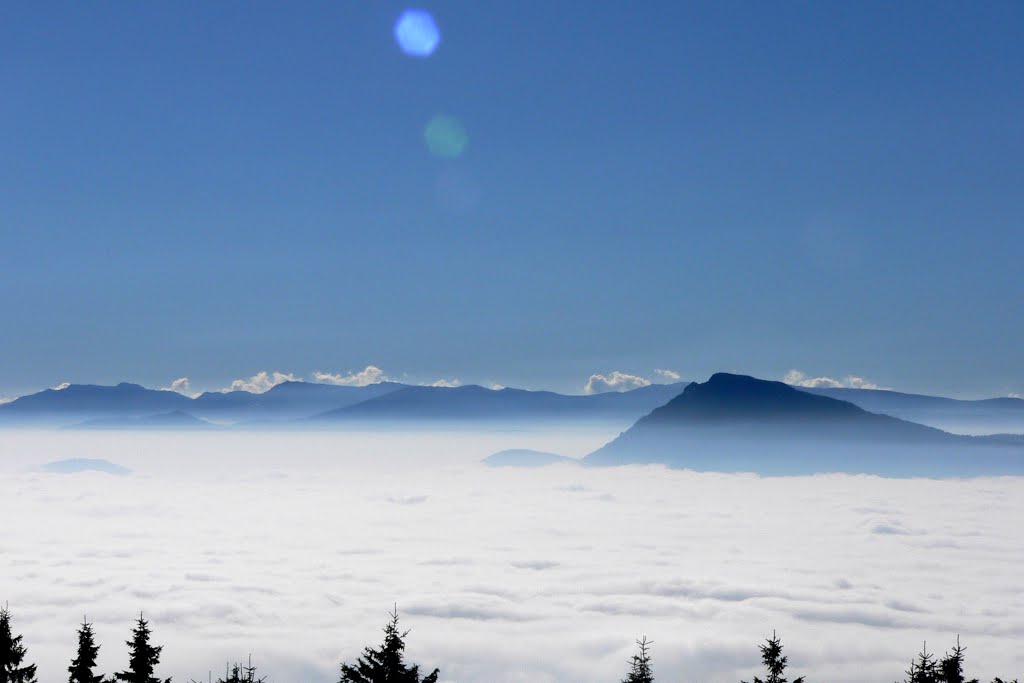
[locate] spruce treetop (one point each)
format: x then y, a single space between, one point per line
386 665
81 669
640 664
142 656
12 654
774 662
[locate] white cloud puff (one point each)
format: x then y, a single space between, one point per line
670 375
61 386
447 383
371 374
262 382
800 379
616 381
182 386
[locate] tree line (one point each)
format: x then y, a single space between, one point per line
386 663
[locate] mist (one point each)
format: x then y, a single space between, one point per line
294 546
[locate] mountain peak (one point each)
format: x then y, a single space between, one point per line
730 396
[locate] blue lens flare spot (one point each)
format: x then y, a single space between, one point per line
417 33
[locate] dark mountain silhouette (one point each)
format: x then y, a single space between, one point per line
476 403
286 401
83 401
87 403
177 419
522 457
740 423
985 416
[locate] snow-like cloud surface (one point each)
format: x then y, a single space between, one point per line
800 379
262 382
235 543
371 374
616 381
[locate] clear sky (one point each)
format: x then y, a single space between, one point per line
212 189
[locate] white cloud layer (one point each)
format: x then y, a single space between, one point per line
504 576
670 375
371 374
61 386
800 379
448 383
262 382
616 381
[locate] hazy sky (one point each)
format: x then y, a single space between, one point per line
213 189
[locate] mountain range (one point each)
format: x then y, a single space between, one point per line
729 423
304 405
739 423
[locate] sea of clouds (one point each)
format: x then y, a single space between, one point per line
294 547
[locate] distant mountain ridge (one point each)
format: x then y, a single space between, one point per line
174 420
987 416
473 402
740 423
93 399
304 405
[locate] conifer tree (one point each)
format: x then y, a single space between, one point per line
774 662
951 668
241 674
142 658
12 654
386 665
640 671
81 669
924 669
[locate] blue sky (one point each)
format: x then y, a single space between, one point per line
214 189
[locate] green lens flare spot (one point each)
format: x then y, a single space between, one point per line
445 137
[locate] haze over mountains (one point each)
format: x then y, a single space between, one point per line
729 423
739 423
985 416
307 405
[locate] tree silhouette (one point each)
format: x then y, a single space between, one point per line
241 674
386 664
951 668
82 665
142 657
924 669
12 654
775 662
640 671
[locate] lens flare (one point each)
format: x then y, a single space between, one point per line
445 137
417 33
